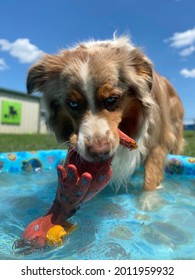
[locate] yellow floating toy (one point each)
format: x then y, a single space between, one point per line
56 234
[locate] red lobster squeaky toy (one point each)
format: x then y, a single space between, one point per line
78 181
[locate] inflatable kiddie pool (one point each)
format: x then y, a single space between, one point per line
134 225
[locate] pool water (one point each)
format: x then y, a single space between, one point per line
134 225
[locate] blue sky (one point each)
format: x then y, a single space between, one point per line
164 28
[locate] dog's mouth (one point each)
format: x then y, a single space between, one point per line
102 150
96 153
102 157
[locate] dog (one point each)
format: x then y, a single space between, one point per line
95 88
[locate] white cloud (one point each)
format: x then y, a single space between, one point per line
3 65
183 39
21 49
188 73
186 42
187 51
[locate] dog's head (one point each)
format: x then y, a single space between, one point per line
91 91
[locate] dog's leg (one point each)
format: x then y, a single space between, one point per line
154 168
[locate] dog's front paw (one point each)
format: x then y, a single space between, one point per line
150 201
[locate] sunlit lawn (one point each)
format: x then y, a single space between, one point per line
24 142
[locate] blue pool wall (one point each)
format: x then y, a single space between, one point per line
27 161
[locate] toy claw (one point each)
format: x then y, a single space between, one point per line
55 235
69 228
127 141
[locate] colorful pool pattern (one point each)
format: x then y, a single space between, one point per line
30 161
130 225
36 160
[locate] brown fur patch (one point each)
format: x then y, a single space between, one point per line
113 119
75 96
47 69
107 91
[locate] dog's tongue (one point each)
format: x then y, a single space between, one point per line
127 141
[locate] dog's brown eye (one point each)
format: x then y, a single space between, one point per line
111 102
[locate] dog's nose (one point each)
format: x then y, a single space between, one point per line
99 150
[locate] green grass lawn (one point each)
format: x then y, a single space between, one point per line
12 142
189 137
27 142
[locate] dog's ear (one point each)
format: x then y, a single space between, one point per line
59 122
42 73
44 77
138 77
143 70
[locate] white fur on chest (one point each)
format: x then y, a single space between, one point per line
125 161
123 166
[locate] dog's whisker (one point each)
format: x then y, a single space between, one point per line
64 144
78 159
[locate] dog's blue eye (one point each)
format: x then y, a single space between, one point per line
73 104
111 100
